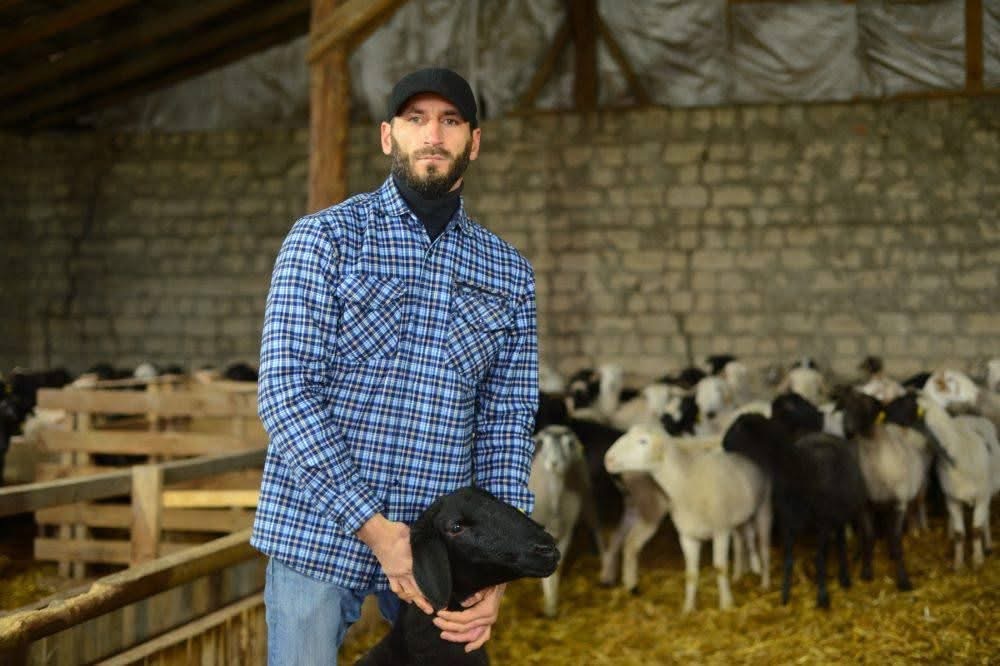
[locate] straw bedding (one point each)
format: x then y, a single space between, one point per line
949 618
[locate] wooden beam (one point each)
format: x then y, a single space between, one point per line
336 25
34 496
46 25
210 499
147 513
544 72
67 115
143 443
123 42
195 403
118 590
329 118
620 57
91 551
583 28
974 45
157 59
119 516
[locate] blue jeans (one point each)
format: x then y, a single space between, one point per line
307 618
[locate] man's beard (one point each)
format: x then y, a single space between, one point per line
436 183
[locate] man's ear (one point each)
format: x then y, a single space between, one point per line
475 138
431 568
385 131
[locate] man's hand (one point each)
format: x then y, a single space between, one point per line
390 541
472 626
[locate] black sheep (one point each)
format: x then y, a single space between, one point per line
464 542
817 483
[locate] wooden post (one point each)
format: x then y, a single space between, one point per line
147 512
582 16
330 117
973 45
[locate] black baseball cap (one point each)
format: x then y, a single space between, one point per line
438 80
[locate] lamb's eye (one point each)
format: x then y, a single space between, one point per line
455 528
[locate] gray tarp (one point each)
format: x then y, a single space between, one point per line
686 53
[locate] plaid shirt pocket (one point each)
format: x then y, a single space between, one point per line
370 316
480 322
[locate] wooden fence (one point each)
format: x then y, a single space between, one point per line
165 422
193 604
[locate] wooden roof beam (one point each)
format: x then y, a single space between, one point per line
346 22
124 42
50 24
583 28
158 59
974 45
619 56
548 65
198 65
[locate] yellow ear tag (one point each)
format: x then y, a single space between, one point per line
920 411
880 418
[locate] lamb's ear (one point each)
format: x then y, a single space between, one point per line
431 568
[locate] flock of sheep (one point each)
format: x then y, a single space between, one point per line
726 466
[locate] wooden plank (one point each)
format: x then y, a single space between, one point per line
105 551
119 516
157 58
147 513
547 66
208 499
125 41
46 25
143 443
188 632
196 403
329 120
621 59
974 45
68 114
336 25
54 471
117 590
34 496
583 27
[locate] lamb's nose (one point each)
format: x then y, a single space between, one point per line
544 549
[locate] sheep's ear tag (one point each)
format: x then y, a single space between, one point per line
880 418
432 570
921 411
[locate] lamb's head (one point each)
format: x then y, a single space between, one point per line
951 388
583 388
639 450
861 413
713 396
556 447
468 540
796 413
680 415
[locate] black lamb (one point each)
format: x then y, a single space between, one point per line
465 541
817 482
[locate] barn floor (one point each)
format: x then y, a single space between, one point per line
949 618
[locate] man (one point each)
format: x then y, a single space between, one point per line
399 362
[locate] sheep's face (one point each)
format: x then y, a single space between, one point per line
712 396
950 387
680 415
638 450
796 413
861 412
468 540
556 448
583 389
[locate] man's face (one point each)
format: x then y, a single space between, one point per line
431 145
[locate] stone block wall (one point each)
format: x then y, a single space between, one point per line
657 236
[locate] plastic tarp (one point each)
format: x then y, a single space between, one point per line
685 53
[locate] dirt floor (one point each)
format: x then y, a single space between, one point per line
950 618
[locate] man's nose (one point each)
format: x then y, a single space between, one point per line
433 134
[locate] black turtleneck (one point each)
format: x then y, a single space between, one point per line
434 214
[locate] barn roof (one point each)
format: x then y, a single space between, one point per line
63 60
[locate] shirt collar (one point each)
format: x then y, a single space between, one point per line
394 205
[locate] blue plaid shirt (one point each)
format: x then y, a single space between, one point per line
392 370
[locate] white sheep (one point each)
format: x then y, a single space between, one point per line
805 380
711 492
970 478
956 392
560 482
